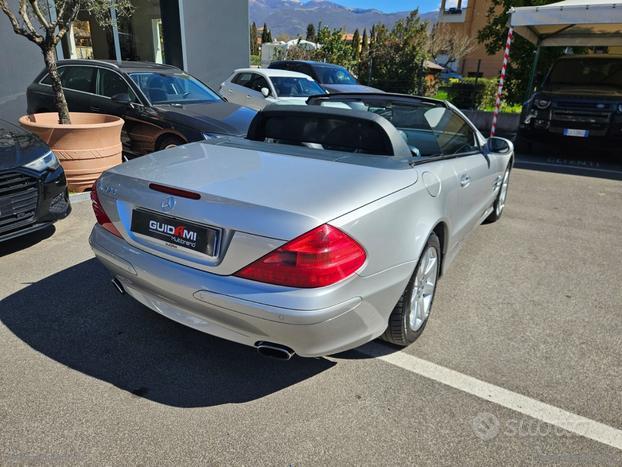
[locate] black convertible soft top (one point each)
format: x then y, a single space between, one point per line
328 128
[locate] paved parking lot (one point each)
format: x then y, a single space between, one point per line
521 362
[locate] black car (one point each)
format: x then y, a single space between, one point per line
333 78
33 189
579 101
162 105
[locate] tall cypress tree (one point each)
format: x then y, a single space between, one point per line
254 45
311 36
264 34
356 44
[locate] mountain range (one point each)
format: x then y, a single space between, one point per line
291 17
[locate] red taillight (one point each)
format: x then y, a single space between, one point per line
100 214
321 257
174 191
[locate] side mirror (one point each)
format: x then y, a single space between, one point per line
265 92
122 98
499 145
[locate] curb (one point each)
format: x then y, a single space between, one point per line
79 197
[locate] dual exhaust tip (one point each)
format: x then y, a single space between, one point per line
277 351
266 349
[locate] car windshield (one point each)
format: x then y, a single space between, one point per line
430 129
586 72
173 88
295 87
334 75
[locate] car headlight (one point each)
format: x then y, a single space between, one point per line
46 162
542 104
619 108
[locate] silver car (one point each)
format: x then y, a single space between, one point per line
327 227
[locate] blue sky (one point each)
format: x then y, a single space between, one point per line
392 5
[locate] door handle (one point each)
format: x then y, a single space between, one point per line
465 181
229 91
248 97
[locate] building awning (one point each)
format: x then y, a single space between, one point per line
586 23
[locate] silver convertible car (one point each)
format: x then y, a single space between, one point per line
328 226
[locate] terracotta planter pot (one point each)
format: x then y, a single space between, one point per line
87 147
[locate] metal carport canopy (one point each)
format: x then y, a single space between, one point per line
584 23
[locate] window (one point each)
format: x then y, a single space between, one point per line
110 84
429 129
295 87
242 79
79 78
257 83
173 88
453 133
334 75
598 71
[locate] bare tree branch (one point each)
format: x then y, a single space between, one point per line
64 21
444 40
26 30
23 12
39 14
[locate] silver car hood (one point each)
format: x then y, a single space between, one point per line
268 194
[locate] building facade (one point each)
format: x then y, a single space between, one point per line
469 17
207 38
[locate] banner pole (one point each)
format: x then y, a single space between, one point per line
506 59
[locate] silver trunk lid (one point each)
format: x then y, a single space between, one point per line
258 199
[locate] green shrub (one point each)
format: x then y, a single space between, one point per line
469 94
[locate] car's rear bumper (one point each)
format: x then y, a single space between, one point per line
206 302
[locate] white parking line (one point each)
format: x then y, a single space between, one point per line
568 421
522 162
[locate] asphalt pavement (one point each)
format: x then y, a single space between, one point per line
521 362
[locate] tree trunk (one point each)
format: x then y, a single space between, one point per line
59 95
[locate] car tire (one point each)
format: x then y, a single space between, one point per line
499 204
410 315
169 142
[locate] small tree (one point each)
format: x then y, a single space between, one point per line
311 33
333 48
445 41
254 47
398 54
34 22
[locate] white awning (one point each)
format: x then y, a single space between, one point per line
570 23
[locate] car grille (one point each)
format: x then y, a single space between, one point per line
19 194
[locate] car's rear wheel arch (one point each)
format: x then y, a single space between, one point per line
167 139
441 231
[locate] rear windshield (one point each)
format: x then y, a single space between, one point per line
173 88
295 87
334 75
601 72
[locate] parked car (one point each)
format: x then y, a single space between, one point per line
33 190
162 105
333 78
328 226
258 87
448 75
580 100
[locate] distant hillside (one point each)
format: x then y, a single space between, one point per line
291 17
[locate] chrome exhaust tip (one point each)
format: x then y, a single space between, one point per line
277 351
117 285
